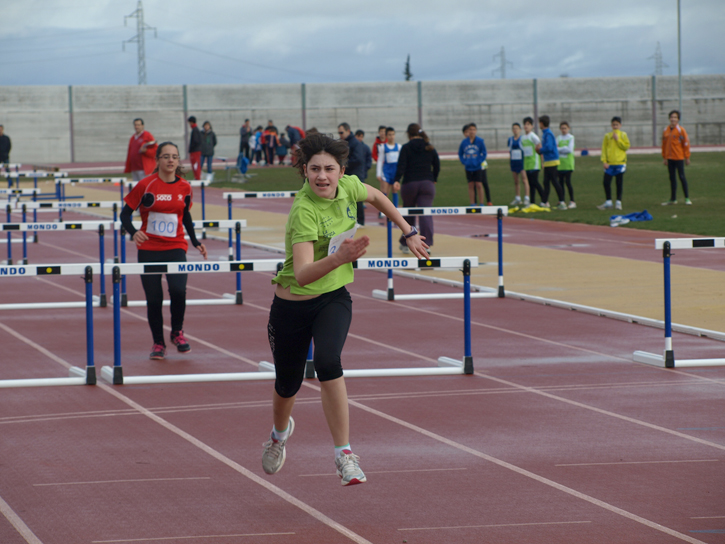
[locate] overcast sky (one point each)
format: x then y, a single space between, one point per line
79 42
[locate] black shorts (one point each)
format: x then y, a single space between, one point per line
475 176
292 324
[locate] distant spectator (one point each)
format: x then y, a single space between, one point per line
676 154
295 134
208 143
245 133
565 141
550 154
360 135
355 163
614 160
271 141
379 139
418 168
257 144
516 164
195 148
282 148
388 153
5 146
472 153
141 156
532 162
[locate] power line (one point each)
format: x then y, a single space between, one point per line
504 62
659 64
139 40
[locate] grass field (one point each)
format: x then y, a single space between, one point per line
646 186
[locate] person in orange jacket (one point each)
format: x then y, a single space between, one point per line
676 154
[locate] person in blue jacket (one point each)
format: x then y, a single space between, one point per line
472 154
549 151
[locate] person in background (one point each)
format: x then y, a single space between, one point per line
418 168
532 162
516 163
355 163
163 200
360 135
550 153
195 148
295 134
388 153
271 141
5 146
614 161
282 148
379 139
140 159
208 143
676 154
258 144
565 142
245 133
472 154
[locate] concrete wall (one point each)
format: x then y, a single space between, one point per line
94 123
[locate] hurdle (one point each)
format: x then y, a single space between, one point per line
667 360
446 366
77 376
460 211
237 298
37 174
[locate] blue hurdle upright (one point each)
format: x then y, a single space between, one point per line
667 359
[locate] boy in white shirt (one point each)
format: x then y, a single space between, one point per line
565 143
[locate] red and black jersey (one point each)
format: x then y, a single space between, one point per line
161 206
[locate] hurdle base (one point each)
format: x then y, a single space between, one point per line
48 305
189 302
103 301
310 370
648 358
660 361
501 292
113 375
42 382
383 295
88 374
191 378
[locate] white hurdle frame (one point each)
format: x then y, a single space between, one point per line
458 211
447 366
667 360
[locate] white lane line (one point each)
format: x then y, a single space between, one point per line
306 508
125 481
157 539
638 463
52 356
709 517
18 523
546 481
494 525
387 471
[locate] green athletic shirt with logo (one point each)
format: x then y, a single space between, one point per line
529 141
318 220
566 152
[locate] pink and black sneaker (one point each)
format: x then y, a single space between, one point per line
158 352
179 340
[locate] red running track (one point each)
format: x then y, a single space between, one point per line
558 437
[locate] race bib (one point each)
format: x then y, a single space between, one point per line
162 224
528 151
516 155
337 241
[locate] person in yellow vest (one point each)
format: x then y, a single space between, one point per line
676 154
614 160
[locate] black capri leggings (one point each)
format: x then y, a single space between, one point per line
155 292
293 323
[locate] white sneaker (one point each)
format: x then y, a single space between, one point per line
515 202
348 468
618 205
274 452
404 248
572 205
606 206
381 215
544 205
561 206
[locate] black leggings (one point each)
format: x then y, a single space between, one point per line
293 323
608 186
679 167
533 177
550 177
565 177
155 292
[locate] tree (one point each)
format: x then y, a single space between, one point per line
407 73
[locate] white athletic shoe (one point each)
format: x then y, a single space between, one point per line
618 205
606 206
348 468
274 452
561 206
515 202
572 205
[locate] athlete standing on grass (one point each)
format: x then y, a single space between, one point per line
164 201
311 301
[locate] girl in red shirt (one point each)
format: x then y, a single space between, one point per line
163 199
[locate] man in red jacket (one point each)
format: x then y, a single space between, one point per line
195 148
141 157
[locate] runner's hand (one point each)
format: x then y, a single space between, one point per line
417 246
352 249
202 250
139 238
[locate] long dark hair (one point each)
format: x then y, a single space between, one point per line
414 131
179 170
317 143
